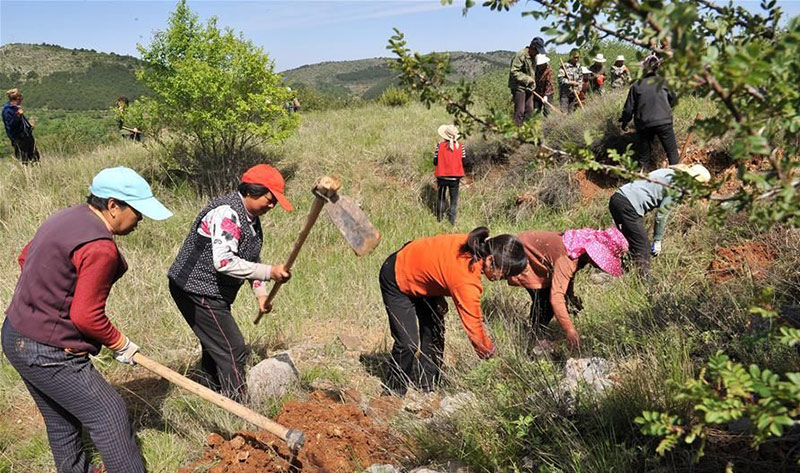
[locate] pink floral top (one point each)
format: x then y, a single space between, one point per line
222 226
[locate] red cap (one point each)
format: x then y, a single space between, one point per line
269 177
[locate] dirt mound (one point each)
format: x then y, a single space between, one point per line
750 257
339 438
592 184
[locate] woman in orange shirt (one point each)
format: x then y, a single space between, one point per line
414 282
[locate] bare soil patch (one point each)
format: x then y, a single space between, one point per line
732 261
340 437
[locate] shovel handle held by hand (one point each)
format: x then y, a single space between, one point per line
325 188
293 438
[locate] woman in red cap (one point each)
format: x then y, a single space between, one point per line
223 250
553 261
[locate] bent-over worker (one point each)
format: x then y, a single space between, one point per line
414 282
634 200
57 318
222 250
553 261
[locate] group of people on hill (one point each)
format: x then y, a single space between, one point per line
532 82
57 316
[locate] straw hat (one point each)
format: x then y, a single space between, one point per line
697 171
621 58
448 132
541 59
599 58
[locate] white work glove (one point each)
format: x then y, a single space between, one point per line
544 99
655 248
125 354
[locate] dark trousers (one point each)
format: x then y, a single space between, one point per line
523 105
631 224
539 106
72 395
222 343
541 309
567 100
25 150
442 186
417 326
666 135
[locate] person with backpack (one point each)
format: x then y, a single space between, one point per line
18 129
553 261
221 251
57 318
650 104
414 282
448 161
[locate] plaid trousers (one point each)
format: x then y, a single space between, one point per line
72 395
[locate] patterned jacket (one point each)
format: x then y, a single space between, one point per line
620 76
569 73
222 249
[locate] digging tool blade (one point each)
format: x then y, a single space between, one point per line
354 225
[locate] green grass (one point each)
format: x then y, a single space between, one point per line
658 333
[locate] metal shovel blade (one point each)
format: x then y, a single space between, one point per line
354 225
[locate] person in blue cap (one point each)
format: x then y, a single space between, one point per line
57 318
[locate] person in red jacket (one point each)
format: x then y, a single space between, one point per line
414 282
57 318
448 161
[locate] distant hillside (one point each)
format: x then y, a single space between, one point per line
53 77
368 78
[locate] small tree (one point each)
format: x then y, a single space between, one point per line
215 99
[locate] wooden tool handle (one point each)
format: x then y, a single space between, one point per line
566 74
293 438
316 208
547 103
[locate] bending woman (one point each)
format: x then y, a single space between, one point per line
554 259
414 282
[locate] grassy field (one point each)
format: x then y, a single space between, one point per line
659 333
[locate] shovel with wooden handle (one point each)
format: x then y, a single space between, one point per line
345 214
294 438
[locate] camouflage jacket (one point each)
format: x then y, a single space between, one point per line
620 76
569 73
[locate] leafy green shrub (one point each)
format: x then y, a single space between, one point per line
215 95
394 97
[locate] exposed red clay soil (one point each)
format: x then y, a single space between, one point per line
592 184
751 257
339 438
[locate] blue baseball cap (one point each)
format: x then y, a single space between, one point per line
126 185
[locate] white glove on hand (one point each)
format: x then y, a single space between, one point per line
655 249
544 99
125 354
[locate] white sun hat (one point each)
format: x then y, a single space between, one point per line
620 58
542 59
599 58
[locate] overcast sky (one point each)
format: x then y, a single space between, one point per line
294 32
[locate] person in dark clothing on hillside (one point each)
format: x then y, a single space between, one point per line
221 251
650 105
448 160
19 129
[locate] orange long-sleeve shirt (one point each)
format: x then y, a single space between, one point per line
435 266
549 266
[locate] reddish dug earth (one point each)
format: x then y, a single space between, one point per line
339 438
731 261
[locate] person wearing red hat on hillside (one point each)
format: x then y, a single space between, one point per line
223 250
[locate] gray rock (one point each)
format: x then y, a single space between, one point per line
385 468
452 404
590 376
272 377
